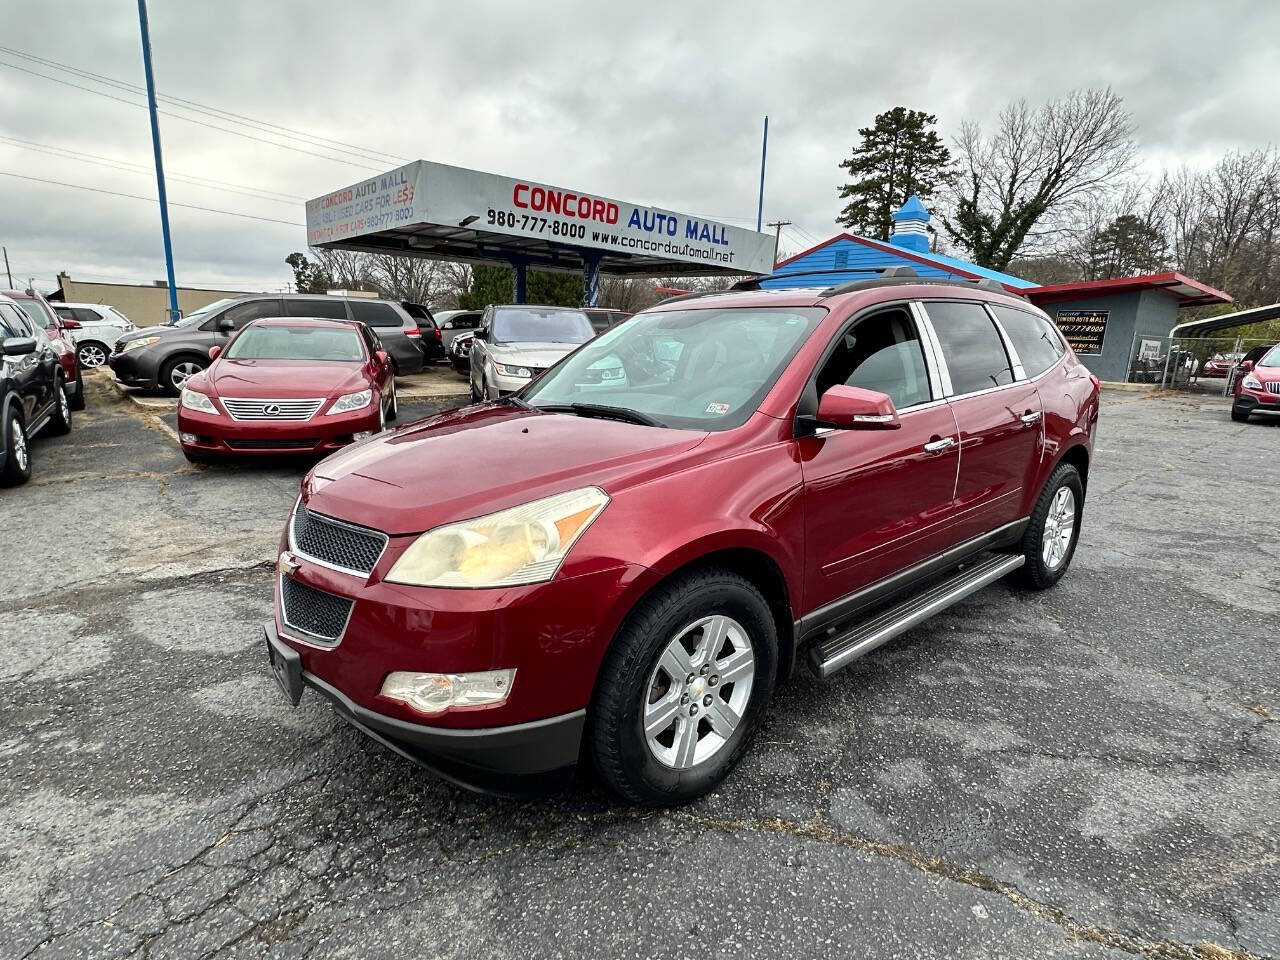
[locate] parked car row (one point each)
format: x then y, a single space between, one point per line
34 394
38 311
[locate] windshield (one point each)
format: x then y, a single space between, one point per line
278 342
535 325
37 313
1272 359
702 369
203 313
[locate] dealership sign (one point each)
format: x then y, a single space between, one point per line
1084 329
425 193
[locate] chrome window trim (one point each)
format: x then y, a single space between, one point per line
1019 374
306 636
938 368
350 571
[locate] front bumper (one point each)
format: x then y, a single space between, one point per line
222 436
133 369
510 760
1257 401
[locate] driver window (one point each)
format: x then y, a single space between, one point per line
881 352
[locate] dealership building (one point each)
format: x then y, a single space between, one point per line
1109 323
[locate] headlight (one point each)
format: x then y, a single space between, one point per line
194 400
1252 382
432 693
509 371
525 544
352 401
137 344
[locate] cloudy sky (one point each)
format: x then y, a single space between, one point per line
655 102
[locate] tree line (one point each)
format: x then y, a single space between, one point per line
1051 193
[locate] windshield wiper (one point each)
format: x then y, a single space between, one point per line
624 414
515 401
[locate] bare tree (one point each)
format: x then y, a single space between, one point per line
1019 186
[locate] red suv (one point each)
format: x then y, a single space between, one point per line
1257 388
625 570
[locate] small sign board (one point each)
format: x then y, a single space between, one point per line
1149 350
1084 329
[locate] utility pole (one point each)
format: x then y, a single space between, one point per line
6 267
155 145
777 236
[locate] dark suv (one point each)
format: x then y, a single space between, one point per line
168 356
32 394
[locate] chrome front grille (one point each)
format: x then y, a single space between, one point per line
1272 386
315 614
333 543
244 408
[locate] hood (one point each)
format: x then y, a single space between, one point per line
284 379
474 461
161 331
540 355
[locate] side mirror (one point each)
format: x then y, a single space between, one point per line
480 335
214 352
19 346
69 324
225 325
853 408
1246 365
447 325
382 357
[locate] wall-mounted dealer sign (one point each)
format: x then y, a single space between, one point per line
435 194
1084 329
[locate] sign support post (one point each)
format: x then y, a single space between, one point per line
155 145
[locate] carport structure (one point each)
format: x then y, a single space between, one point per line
441 212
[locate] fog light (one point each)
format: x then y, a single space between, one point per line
188 437
362 435
433 693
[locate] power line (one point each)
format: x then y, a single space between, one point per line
125 166
178 116
134 196
217 112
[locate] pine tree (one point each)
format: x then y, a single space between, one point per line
897 157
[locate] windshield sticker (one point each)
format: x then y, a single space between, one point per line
719 409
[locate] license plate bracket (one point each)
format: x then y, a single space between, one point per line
286 667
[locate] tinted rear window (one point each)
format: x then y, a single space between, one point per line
327 309
1034 338
376 314
971 345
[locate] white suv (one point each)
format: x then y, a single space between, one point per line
93 328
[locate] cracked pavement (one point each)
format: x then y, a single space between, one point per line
1089 772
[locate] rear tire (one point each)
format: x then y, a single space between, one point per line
77 402
1054 530
1239 416
638 685
17 461
60 422
91 354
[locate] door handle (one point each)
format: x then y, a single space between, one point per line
937 446
1030 417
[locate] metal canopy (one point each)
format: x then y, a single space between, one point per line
433 210
1200 328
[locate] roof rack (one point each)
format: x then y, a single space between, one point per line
986 283
887 276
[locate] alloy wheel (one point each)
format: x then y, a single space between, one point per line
1059 528
20 453
698 692
182 372
92 355
64 406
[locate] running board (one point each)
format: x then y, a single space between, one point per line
841 649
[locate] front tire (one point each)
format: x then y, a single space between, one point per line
60 422
17 461
393 408
684 688
1239 416
175 374
92 354
1054 529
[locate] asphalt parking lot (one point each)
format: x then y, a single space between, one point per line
1088 772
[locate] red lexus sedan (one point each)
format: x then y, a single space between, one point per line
288 386
625 570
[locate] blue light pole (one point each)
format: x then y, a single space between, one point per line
155 144
764 152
